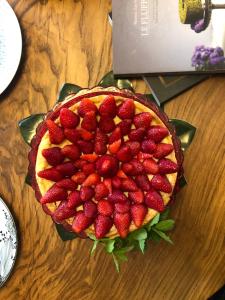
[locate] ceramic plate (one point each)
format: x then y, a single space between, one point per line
8 242
10 44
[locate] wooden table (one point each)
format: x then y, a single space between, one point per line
70 41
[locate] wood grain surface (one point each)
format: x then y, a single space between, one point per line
70 41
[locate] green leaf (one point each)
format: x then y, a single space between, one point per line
154 221
124 249
64 234
138 235
153 236
116 263
182 182
184 131
92 236
109 246
28 126
95 244
163 235
66 90
165 225
110 80
164 215
121 256
28 180
142 245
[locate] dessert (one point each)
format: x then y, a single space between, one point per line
190 11
105 162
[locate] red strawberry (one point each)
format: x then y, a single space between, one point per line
85 135
86 105
81 222
142 120
148 146
115 135
102 226
117 196
108 183
127 109
68 119
106 124
79 177
108 107
134 146
124 154
150 166
107 166
157 133
56 134
115 146
122 207
50 174
92 179
128 185
101 140
67 184
137 134
89 157
80 163
86 193
89 121
90 209
138 213
73 135
137 196
71 151
167 166
74 199
138 169
63 212
161 183
116 182
101 191
122 223
154 200
142 156
105 208
163 150
143 182
54 194
121 174
125 126
53 156
127 168
67 169
88 168
86 147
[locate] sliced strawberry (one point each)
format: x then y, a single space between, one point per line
86 147
86 193
90 209
105 207
138 213
116 182
108 183
161 183
54 194
56 134
80 163
89 157
71 151
136 197
101 191
150 166
115 146
127 168
125 126
141 156
122 223
101 140
137 134
88 168
128 185
63 212
67 184
67 169
121 174
117 196
68 119
92 179
81 222
157 133
142 120
108 107
167 166
107 166
53 156
127 109
163 150
134 146
138 169
86 105
143 182
122 207
106 124
148 146
85 134
102 226
79 177
73 135
74 199
50 174
89 121
154 200
124 154
115 135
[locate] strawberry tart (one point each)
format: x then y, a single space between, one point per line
104 162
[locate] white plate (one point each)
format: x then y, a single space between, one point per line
10 44
8 242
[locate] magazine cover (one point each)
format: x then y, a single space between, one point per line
173 36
